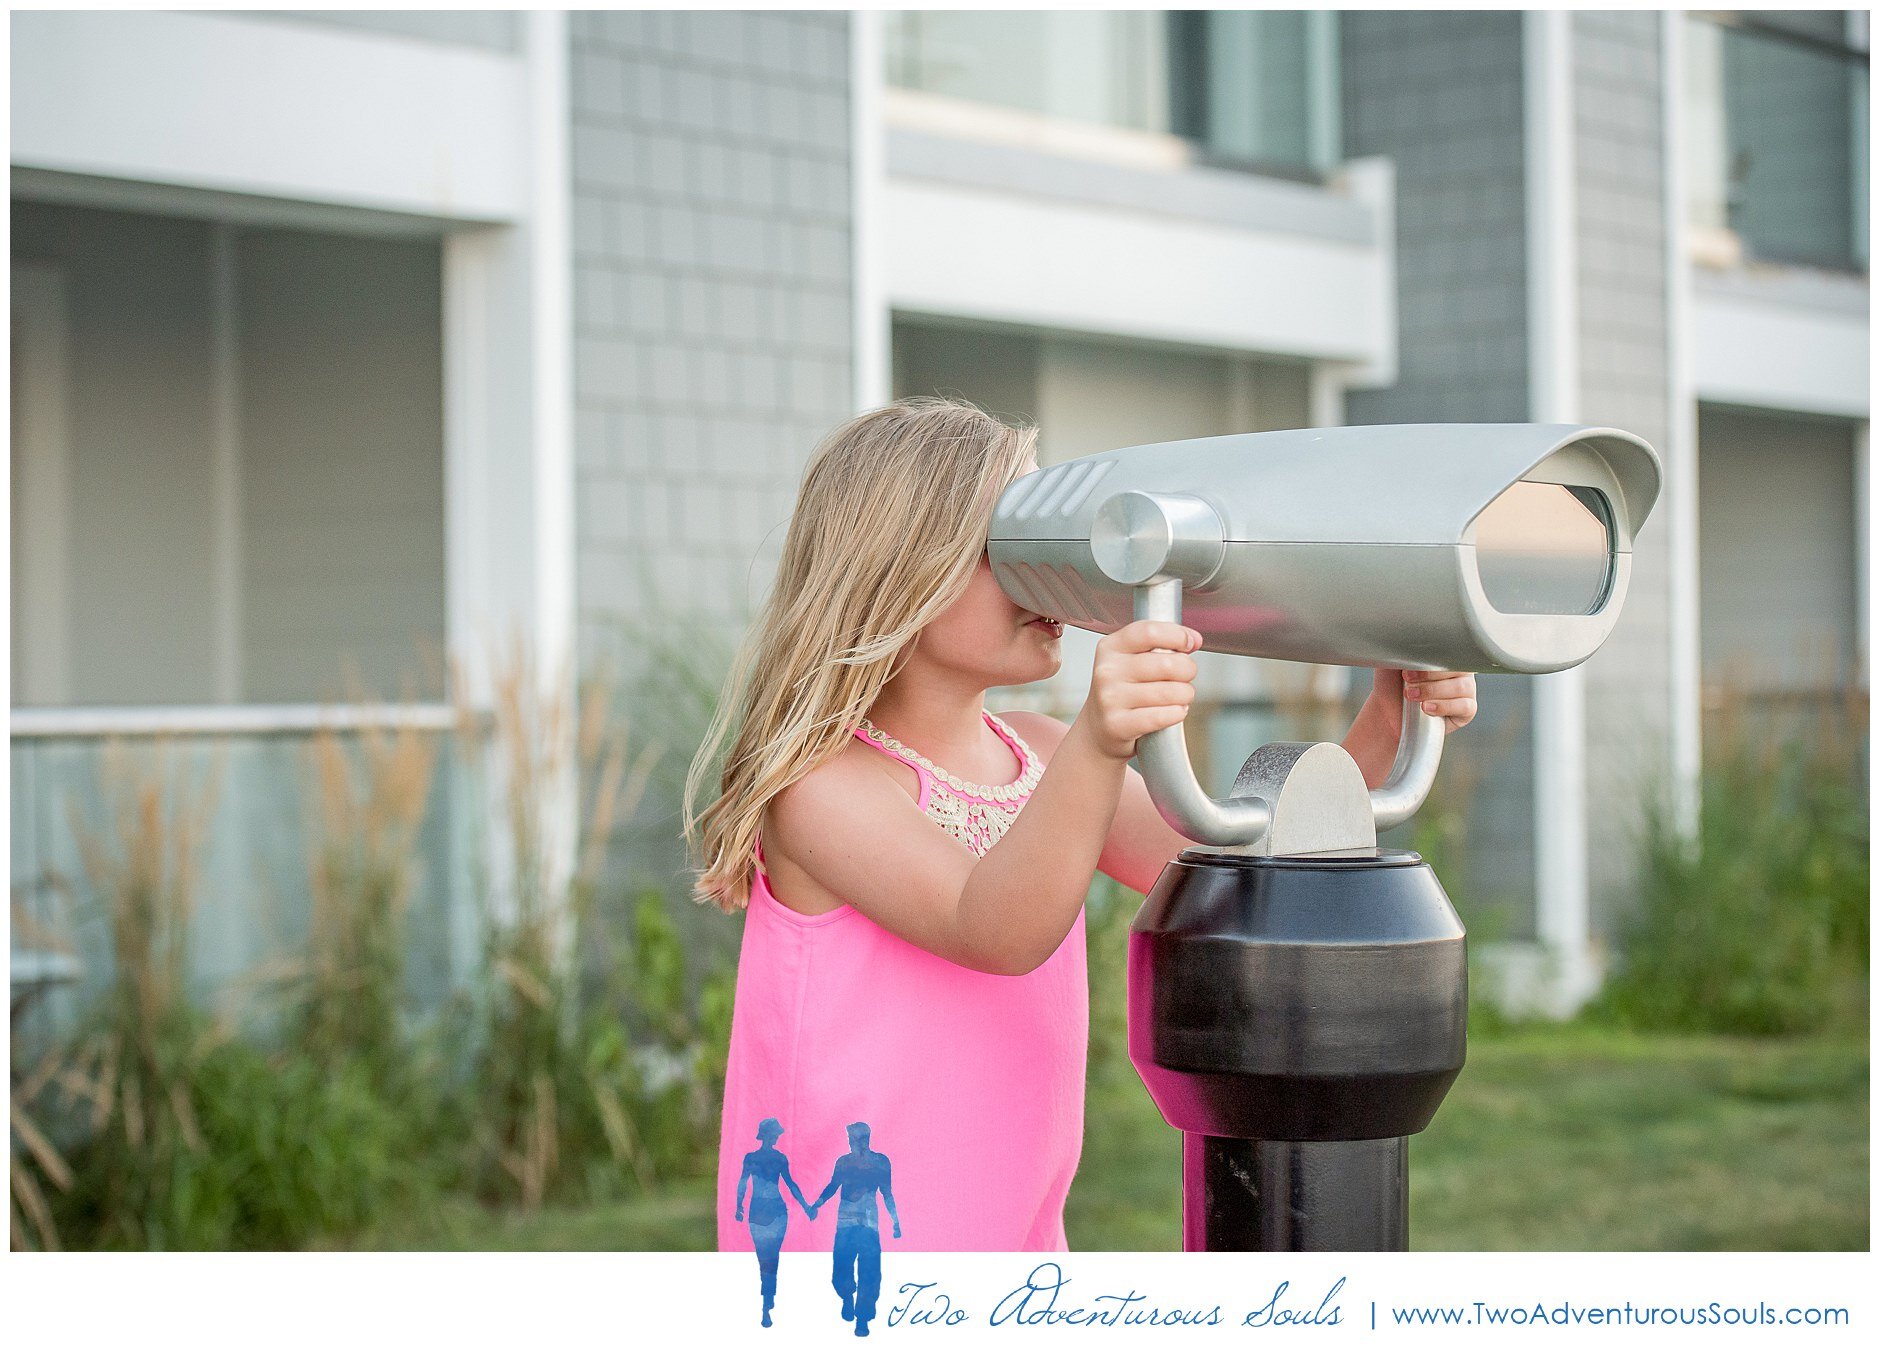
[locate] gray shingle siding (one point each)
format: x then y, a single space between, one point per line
713 348
711 217
1619 184
1441 94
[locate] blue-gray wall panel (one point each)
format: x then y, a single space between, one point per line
711 219
713 347
1440 93
1619 187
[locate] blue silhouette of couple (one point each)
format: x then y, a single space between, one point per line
859 1175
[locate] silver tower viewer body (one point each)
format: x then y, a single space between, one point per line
1486 548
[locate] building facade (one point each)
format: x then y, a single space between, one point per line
350 346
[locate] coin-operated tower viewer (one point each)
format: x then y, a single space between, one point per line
1297 992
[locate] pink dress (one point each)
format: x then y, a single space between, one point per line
972 1084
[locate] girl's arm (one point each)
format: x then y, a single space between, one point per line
853 829
1140 841
1373 738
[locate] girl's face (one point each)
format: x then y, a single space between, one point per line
986 634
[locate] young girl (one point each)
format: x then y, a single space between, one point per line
912 868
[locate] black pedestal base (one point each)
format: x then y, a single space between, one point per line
1281 1195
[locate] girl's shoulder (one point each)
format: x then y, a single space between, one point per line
857 773
856 767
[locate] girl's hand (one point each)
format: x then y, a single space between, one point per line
1449 694
1136 687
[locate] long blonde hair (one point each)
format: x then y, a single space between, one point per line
889 524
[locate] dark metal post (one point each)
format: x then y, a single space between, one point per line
1298 1018
1294 1194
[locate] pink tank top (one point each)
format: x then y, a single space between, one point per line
972 1084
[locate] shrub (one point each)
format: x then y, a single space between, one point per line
1759 925
590 1073
182 1134
142 1174
576 1067
362 870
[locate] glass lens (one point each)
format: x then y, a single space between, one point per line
1545 549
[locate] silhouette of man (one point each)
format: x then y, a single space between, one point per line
860 1174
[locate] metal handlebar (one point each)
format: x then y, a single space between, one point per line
1191 811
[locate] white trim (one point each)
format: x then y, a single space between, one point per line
1862 553
551 271
42 491
509 489
253 107
226 456
1325 393
476 388
1372 181
1552 256
1680 452
216 205
1007 256
1785 339
485 389
109 721
1562 917
978 121
870 357
551 274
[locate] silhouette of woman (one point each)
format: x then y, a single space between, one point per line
770 1216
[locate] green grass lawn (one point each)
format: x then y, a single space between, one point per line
1568 1138
1552 1138
680 1218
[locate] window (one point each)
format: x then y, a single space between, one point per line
1256 90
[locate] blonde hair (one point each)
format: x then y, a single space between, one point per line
889 524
